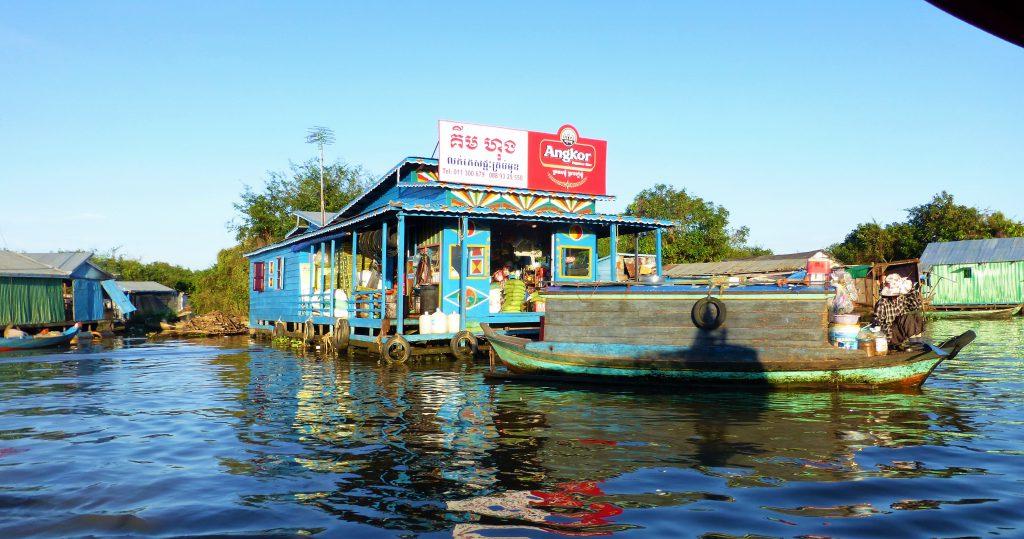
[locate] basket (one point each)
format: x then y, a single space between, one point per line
844 318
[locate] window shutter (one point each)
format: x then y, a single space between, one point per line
258 272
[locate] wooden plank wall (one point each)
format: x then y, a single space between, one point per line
669 322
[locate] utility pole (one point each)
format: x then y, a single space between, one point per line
321 136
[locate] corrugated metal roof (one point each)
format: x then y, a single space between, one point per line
14 264
758 265
380 186
313 217
510 190
67 262
972 252
133 287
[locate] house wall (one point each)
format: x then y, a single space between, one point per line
1000 283
31 301
276 301
88 300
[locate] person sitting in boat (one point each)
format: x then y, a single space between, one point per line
898 310
11 332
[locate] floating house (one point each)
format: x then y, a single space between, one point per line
54 290
469 234
974 273
151 297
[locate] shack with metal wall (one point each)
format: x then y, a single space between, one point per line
54 290
370 272
974 273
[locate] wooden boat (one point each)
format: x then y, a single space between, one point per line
973 314
31 342
765 336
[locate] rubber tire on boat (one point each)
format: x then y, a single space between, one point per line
308 332
464 345
699 312
341 334
396 349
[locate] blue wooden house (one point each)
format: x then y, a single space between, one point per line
413 243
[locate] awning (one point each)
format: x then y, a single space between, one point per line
117 296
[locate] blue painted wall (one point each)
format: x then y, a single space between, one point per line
276 303
478 280
573 238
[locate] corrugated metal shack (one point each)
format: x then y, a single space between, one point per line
51 289
767 266
975 273
150 297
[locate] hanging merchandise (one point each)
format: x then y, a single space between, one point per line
846 293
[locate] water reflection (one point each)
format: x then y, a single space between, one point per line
224 436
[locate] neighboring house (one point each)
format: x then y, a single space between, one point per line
53 289
975 272
150 297
777 266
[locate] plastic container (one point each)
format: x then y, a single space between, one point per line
439 322
454 321
425 323
428 297
843 335
881 345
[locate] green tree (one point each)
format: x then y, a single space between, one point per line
938 220
224 286
702 234
130 269
265 217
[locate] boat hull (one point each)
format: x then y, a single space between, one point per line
973 314
821 368
31 343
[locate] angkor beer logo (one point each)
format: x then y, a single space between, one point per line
566 159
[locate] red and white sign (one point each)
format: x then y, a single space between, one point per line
566 163
482 155
498 156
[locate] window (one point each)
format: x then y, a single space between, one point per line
258 269
272 275
574 262
967 273
280 273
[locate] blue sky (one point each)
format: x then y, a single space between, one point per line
135 125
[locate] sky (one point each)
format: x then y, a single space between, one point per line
133 127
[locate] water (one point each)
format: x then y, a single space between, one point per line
228 437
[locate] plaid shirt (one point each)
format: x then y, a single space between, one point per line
888 308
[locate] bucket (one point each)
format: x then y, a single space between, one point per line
428 298
843 335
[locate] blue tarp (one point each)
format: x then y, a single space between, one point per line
118 297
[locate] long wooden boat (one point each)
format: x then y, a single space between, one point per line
30 342
973 314
764 336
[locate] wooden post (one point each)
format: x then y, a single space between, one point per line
383 270
464 267
657 250
355 278
400 285
333 278
614 237
312 272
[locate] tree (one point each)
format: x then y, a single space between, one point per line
702 234
938 220
130 269
266 216
224 286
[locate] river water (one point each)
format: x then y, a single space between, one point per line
232 437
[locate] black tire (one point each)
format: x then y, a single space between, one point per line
341 333
464 345
396 349
278 329
700 310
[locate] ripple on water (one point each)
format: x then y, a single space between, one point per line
227 437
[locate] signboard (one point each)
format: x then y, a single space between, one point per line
482 155
497 156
